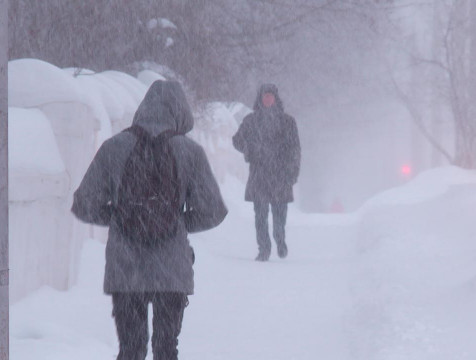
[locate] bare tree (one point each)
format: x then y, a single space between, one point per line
218 46
209 43
446 74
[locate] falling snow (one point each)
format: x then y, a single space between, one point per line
381 232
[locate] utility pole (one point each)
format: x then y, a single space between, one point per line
4 318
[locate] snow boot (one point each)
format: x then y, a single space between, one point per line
282 250
262 257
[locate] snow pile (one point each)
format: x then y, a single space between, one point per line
66 325
38 186
32 145
239 111
414 284
36 169
111 96
425 186
33 82
214 130
114 98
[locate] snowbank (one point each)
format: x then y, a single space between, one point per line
33 82
414 282
38 186
76 324
32 145
426 186
36 169
239 111
214 131
111 96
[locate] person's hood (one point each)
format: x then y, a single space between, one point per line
164 107
268 88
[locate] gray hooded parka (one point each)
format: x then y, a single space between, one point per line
168 266
268 138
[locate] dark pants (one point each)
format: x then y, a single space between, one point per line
130 314
279 211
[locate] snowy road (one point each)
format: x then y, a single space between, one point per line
282 309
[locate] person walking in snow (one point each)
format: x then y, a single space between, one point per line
269 140
143 267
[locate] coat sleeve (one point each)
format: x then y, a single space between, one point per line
241 138
204 206
92 199
295 152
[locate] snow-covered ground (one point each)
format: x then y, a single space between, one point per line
395 280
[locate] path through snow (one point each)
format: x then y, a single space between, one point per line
283 309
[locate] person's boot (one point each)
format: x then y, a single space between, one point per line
282 250
262 257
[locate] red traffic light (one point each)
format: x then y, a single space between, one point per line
406 170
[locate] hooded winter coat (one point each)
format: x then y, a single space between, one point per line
269 140
166 267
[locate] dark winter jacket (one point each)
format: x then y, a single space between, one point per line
168 267
269 140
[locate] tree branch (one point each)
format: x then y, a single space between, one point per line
419 122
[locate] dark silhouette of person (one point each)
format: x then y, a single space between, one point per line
269 140
162 273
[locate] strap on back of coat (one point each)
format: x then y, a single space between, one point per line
140 133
